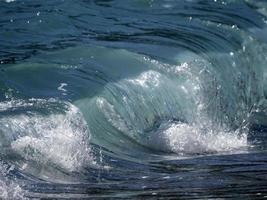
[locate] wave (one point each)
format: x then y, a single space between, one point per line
189 108
183 110
178 80
146 109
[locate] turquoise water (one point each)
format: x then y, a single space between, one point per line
133 99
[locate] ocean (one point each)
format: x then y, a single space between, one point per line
133 99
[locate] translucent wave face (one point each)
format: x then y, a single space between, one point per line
59 139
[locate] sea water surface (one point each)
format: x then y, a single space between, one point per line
133 99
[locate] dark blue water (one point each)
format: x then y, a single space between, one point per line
133 99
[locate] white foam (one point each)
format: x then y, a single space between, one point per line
183 138
6 105
8 188
147 79
15 104
9 1
61 139
62 87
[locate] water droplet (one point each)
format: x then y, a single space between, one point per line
234 64
167 5
234 26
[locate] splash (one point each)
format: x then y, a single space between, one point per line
184 139
60 139
10 189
